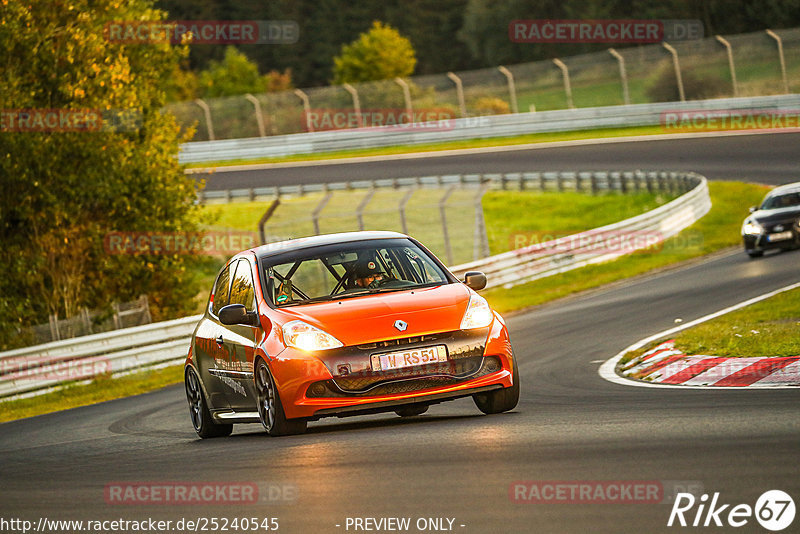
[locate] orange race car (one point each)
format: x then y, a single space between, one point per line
343 324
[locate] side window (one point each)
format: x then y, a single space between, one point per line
242 291
221 290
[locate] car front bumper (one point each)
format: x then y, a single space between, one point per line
762 242
339 383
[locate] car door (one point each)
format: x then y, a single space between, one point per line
240 341
209 342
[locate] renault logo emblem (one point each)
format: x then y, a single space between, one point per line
400 325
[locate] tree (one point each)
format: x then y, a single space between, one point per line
237 75
379 54
64 189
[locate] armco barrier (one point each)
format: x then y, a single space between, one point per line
579 181
31 370
469 128
40 367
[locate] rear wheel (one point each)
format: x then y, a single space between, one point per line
755 253
270 409
500 400
202 421
411 411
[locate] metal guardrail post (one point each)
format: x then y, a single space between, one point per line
207 113
677 66
259 115
406 98
512 90
402 209
53 320
462 106
480 243
443 213
729 49
567 85
318 210
306 108
264 218
623 75
356 103
362 205
782 58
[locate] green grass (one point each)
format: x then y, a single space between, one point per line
515 219
717 230
99 390
767 328
450 145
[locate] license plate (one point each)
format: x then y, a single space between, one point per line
780 236
409 358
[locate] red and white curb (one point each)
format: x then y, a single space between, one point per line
666 367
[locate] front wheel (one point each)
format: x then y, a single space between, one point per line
202 421
500 400
270 409
755 253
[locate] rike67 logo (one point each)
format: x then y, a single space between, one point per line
774 510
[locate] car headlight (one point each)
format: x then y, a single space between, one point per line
303 336
751 227
478 314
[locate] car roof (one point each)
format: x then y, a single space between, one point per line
784 189
292 245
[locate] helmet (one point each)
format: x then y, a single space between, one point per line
367 267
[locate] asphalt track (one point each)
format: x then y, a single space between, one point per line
766 158
453 462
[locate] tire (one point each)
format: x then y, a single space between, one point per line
201 418
500 400
755 253
270 409
411 411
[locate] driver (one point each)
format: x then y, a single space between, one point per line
369 273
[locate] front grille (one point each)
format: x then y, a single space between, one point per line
404 341
415 379
783 226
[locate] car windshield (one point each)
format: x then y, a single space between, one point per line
781 201
351 270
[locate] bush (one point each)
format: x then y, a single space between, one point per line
489 105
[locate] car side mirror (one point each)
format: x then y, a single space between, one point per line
753 209
475 280
237 314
